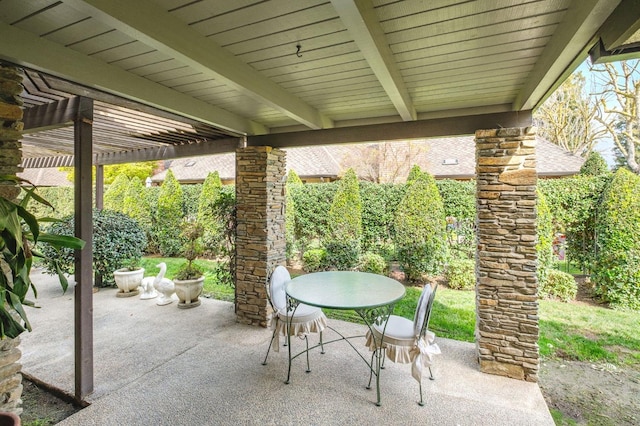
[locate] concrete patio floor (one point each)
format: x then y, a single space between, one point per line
160 365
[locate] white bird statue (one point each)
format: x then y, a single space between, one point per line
148 290
165 286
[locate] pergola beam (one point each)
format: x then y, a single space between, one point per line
395 131
49 116
145 21
362 23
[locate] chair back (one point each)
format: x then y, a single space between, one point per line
423 310
277 294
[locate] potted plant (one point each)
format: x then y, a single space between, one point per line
189 279
129 278
19 235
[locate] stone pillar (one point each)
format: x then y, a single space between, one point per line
506 292
10 158
260 236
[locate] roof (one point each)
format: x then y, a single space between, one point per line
452 158
307 72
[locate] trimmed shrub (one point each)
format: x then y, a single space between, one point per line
420 229
544 245
313 202
595 165
345 224
372 262
117 239
290 215
458 198
616 270
461 274
169 216
379 203
136 205
115 193
314 260
559 285
207 217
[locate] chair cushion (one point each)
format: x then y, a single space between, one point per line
421 309
279 279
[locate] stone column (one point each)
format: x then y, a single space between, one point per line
260 236
10 158
506 292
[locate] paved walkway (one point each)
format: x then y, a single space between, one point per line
160 365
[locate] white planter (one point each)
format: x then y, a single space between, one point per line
188 292
128 281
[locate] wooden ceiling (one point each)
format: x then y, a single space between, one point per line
259 68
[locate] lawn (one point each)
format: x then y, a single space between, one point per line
573 331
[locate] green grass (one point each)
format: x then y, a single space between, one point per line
568 267
211 286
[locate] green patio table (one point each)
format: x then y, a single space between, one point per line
371 296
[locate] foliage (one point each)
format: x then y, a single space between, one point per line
20 232
345 223
414 173
544 245
137 206
372 262
461 274
314 260
212 227
169 216
420 232
458 198
290 214
141 170
191 234
59 198
558 284
225 210
379 203
115 193
383 162
117 239
616 270
313 202
567 117
595 165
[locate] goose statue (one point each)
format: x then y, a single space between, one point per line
164 286
148 290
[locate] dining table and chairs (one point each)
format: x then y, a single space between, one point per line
298 305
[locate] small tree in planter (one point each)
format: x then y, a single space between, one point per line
189 279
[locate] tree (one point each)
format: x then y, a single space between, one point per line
111 172
136 205
384 162
114 195
169 216
345 223
207 217
620 105
595 165
568 118
290 213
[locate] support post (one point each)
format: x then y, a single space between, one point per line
83 203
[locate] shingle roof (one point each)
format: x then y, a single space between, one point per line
452 157
46 177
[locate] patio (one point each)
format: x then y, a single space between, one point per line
149 370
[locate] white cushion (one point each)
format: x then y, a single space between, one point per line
279 279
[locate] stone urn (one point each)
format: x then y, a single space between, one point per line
188 292
128 281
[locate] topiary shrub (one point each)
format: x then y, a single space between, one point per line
372 262
420 229
594 165
616 269
136 206
169 216
115 193
345 224
544 245
461 274
117 239
558 285
290 215
207 217
314 260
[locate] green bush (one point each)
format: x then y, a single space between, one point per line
461 274
169 216
420 229
290 215
560 285
313 202
136 206
595 165
314 260
544 245
115 193
616 270
116 240
207 217
458 198
345 224
379 203
372 262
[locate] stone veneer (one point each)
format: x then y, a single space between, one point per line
10 158
506 294
260 236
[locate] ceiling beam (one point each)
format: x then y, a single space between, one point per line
621 25
362 23
26 49
572 38
145 21
50 116
395 131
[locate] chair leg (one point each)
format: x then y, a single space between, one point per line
273 336
306 339
421 403
371 369
431 377
321 344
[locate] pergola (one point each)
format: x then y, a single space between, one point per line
115 81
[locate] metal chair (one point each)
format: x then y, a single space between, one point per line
302 321
407 341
